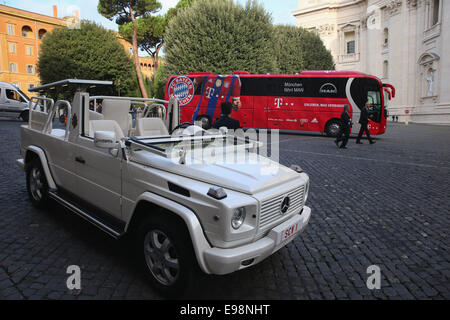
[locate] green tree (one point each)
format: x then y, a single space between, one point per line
90 52
220 36
297 49
126 11
150 35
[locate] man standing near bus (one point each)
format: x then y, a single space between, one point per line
225 120
345 129
364 121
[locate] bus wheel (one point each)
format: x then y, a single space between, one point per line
205 122
333 128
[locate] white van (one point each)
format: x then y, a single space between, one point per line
13 102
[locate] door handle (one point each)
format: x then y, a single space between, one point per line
80 160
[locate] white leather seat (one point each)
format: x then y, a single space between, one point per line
148 127
105 125
95 115
119 111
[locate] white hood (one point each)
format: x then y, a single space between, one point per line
241 175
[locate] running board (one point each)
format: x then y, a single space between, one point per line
115 232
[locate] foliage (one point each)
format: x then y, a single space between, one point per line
159 83
91 52
220 36
126 11
150 34
298 49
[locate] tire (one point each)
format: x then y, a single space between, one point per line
166 255
206 122
24 116
37 185
333 128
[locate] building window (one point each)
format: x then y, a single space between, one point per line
31 86
386 37
31 69
42 33
350 42
10 29
385 69
13 67
29 50
12 48
27 32
131 51
351 47
436 8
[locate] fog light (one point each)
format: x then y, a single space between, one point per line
238 218
248 262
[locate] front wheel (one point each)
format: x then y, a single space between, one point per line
167 255
333 128
37 186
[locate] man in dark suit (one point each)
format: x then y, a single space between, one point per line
364 121
225 120
346 123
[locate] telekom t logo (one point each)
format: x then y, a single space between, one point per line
210 92
278 102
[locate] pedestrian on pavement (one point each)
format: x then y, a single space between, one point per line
364 121
344 133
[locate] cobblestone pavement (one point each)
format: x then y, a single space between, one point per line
385 204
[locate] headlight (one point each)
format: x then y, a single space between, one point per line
238 218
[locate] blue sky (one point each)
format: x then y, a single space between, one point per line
281 10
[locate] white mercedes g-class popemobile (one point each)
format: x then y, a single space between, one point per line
185 211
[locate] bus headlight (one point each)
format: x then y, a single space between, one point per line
238 218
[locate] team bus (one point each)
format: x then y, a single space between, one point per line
310 101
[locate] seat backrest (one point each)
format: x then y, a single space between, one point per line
38 120
117 110
95 115
105 125
147 127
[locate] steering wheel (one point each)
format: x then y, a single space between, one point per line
183 125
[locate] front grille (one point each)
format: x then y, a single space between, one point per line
271 208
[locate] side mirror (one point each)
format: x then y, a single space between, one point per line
105 139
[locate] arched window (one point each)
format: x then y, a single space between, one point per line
42 33
385 69
386 37
27 32
436 9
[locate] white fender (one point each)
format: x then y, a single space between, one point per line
41 154
199 241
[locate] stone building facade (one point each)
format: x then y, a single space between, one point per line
403 42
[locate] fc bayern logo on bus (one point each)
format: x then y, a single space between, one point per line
182 88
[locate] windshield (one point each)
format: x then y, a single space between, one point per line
23 95
172 147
